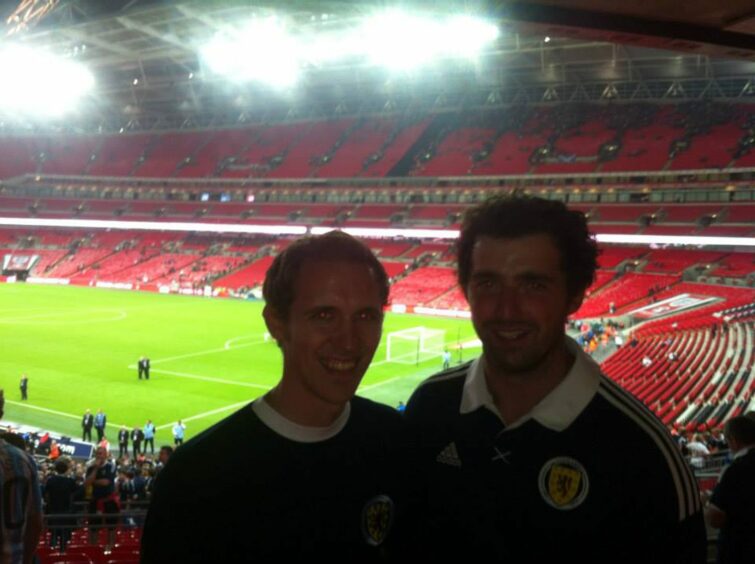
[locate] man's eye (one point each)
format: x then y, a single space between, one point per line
322 315
535 285
369 316
484 284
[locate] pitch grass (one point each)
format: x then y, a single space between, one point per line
79 347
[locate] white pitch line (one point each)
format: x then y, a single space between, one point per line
211 379
228 345
53 411
206 413
200 353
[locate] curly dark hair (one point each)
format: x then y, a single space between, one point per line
278 288
518 216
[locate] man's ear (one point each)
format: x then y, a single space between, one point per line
276 326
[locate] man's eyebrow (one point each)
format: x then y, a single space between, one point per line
527 275
536 276
484 273
371 309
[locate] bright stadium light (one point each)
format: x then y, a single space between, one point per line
262 51
400 40
470 35
37 83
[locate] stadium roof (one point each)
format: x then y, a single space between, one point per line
144 54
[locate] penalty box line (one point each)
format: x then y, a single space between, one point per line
200 353
211 379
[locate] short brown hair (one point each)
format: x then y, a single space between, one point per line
280 280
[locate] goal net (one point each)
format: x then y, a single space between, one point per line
415 345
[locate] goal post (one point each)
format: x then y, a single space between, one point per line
415 345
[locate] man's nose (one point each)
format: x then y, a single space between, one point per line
508 304
347 335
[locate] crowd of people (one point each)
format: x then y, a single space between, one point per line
76 493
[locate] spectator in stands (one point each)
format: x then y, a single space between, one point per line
103 500
508 442
59 492
646 361
166 452
731 505
308 470
21 521
104 443
698 451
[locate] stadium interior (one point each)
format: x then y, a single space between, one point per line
186 162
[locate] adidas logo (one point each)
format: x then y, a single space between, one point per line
449 455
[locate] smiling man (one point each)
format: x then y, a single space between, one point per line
307 469
530 453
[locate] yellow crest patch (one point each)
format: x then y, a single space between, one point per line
377 518
563 483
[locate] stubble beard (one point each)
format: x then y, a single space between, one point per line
522 362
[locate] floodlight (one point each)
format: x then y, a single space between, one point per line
398 40
38 83
468 36
401 40
262 50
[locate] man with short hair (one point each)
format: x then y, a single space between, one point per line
123 442
100 422
137 436
59 492
732 505
87 422
166 451
103 503
179 431
309 469
446 359
524 450
24 387
143 367
21 515
149 436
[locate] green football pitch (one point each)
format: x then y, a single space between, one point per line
79 348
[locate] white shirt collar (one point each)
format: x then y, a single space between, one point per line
295 432
555 411
742 452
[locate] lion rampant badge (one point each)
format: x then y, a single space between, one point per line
563 483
